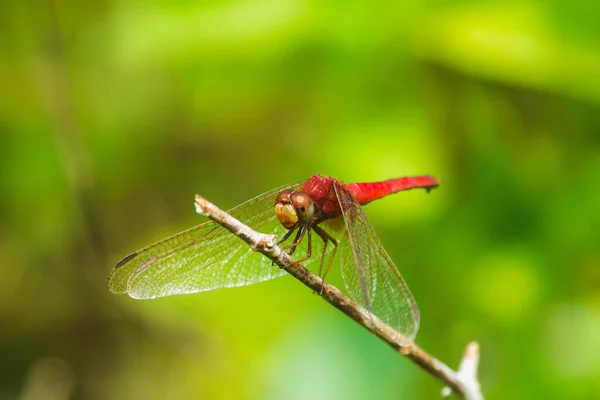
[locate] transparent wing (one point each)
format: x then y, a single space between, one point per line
369 274
202 258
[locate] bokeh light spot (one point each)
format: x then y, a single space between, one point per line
505 285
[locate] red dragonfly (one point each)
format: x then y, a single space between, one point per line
208 256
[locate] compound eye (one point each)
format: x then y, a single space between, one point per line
304 205
284 196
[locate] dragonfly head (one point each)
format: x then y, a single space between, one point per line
291 207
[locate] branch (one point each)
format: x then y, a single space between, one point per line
463 383
467 372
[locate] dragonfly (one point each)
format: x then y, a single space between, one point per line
208 256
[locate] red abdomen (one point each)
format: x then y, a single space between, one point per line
321 189
369 191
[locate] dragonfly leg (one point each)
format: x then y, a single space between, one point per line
288 234
326 239
297 240
286 237
299 236
309 245
323 256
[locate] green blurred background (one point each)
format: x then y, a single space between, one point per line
114 114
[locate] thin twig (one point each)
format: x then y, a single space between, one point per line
463 383
467 372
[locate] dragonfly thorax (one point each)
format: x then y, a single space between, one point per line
293 207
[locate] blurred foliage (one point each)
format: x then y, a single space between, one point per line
113 114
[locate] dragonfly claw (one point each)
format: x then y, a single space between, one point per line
320 292
287 265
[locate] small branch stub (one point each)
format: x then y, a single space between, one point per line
265 244
467 373
200 204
